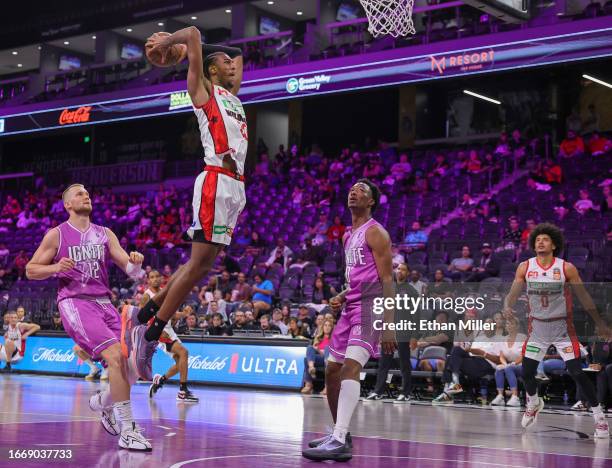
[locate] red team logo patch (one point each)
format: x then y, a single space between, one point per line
532 274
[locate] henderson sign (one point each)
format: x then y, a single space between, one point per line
386 68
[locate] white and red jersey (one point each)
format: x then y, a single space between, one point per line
14 334
223 128
546 290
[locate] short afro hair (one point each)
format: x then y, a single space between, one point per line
375 192
209 60
551 231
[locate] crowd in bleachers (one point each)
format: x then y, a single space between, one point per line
279 276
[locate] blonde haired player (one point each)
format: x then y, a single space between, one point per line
551 321
213 81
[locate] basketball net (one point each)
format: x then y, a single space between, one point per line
392 17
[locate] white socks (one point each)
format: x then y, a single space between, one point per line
455 378
91 365
105 398
533 400
347 401
123 412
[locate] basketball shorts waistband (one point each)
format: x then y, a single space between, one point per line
224 171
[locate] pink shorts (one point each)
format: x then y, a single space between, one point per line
93 324
350 331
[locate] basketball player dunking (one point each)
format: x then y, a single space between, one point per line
14 339
550 319
79 253
367 248
172 346
219 195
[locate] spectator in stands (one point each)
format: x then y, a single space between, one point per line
19 264
434 338
250 321
401 170
262 295
416 283
336 230
192 324
439 168
562 206
218 327
416 238
256 244
144 239
22 316
584 204
267 326
322 292
598 144
56 322
316 355
606 204
225 283
517 145
240 323
513 233
547 173
295 331
319 231
572 146
602 364
510 356
421 184
242 290
310 252
459 267
305 320
531 224
229 263
25 219
487 266
4 254
440 286
281 255
474 165
277 319
503 146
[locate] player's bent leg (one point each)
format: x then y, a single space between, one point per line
151 308
182 358
94 370
534 403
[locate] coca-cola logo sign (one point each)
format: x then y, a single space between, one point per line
52 355
79 115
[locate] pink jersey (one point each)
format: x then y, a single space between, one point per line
91 254
360 264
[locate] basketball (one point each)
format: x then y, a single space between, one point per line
176 54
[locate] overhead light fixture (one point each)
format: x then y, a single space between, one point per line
19 65
14 52
160 24
66 42
228 11
270 2
597 80
300 13
480 96
129 30
194 18
39 47
93 37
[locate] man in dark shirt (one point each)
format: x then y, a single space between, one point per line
513 233
266 326
240 323
229 263
218 328
486 267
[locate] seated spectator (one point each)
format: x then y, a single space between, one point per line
218 327
517 145
599 145
4 254
503 146
531 224
510 368
416 238
281 255
606 204
240 323
56 322
488 266
267 326
416 283
263 290
295 331
22 316
474 165
191 322
310 252
25 219
228 263
277 320
19 264
322 292
401 170
440 286
225 284
305 320
336 230
572 146
396 256
512 234
250 321
242 289
256 244
217 306
561 207
459 267
440 167
434 338
584 204
316 356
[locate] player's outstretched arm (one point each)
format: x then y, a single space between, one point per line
30 329
573 277
131 264
379 241
516 288
40 267
198 87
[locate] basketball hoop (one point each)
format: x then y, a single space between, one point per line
392 17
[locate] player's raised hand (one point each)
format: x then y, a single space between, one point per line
65 264
136 258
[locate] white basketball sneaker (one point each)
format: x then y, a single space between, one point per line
601 429
514 401
132 439
108 420
498 400
531 414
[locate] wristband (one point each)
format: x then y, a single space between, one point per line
134 271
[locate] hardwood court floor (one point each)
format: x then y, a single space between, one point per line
254 428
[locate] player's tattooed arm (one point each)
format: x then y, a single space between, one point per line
516 289
41 265
131 264
573 277
380 242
